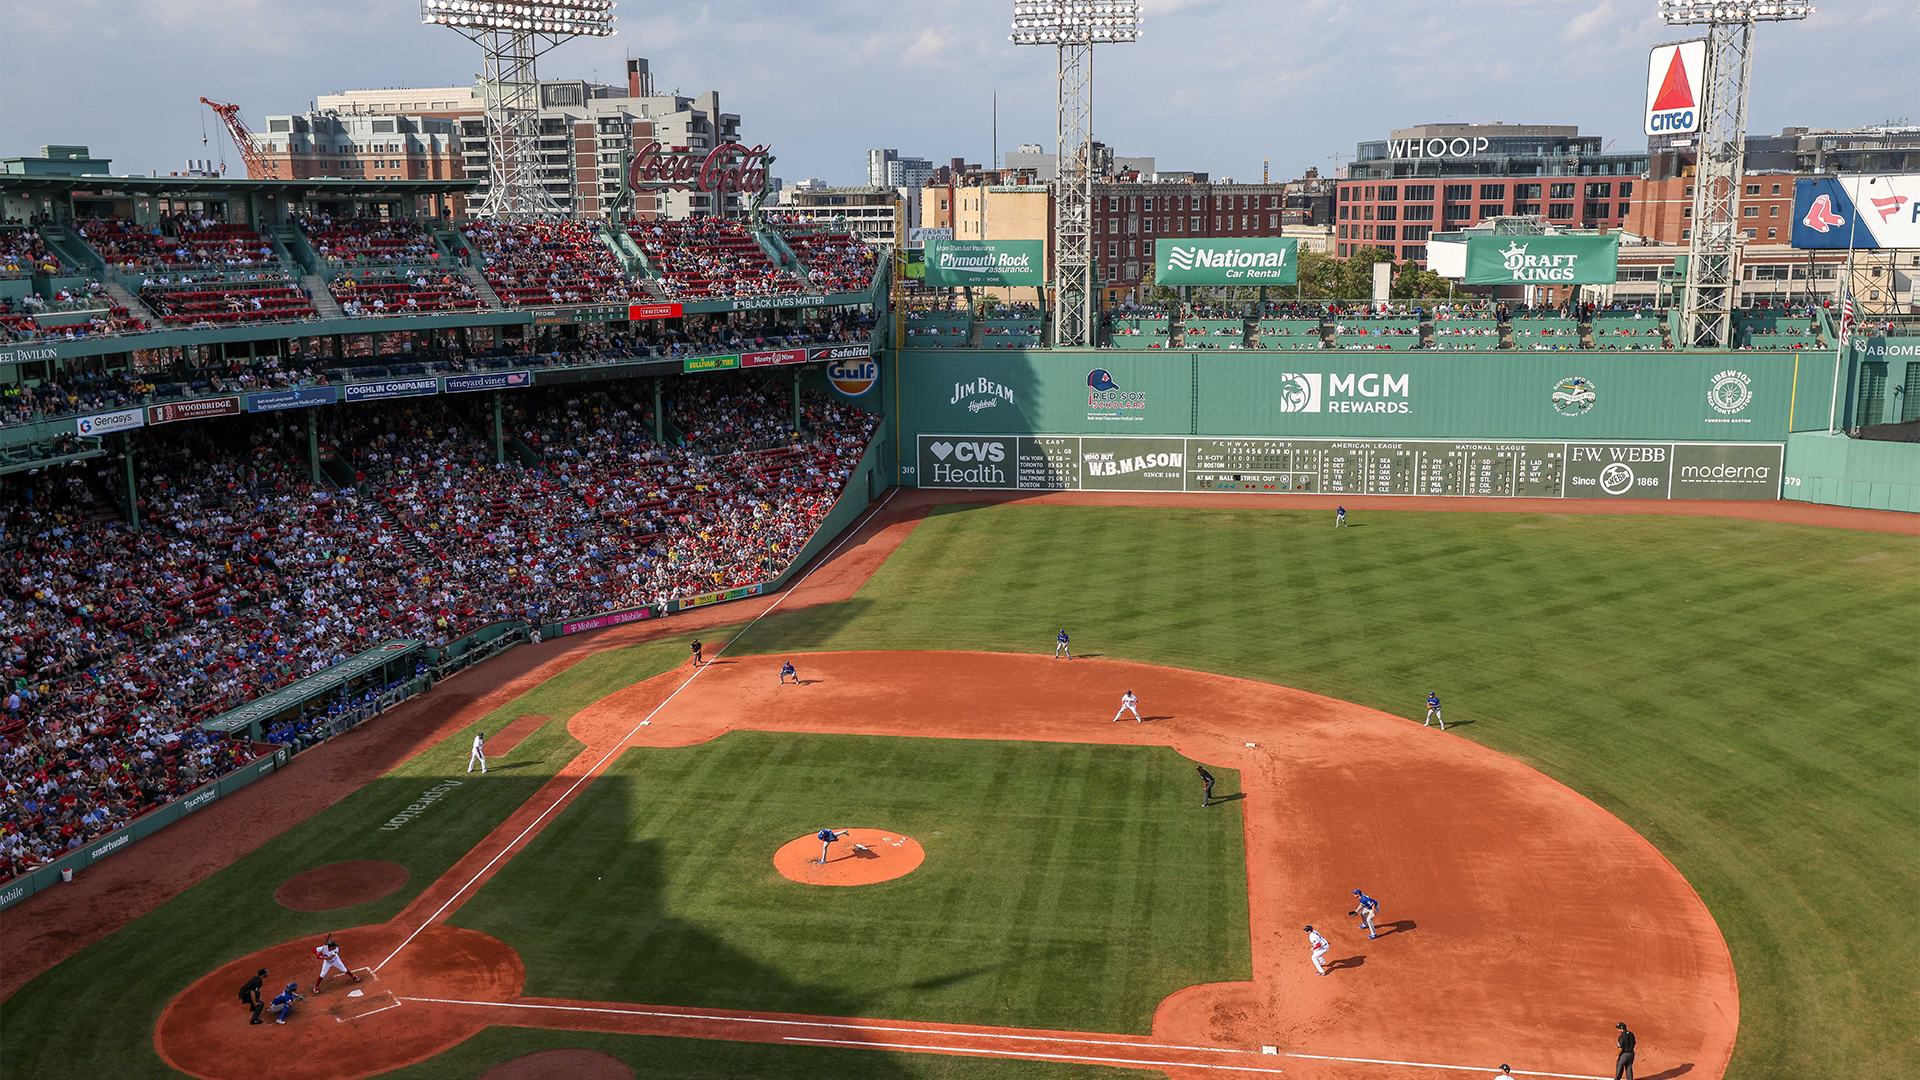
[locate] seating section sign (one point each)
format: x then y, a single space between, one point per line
952 263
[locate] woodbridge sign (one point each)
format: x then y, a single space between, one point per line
986 262
1542 260
1227 262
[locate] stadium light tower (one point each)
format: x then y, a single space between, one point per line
1075 27
511 37
1713 256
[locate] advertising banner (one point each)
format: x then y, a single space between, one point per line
918 235
1542 260
704 599
1675 79
710 363
1252 261
303 398
776 358
636 312
852 351
1456 467
614 618
853 377
105 423
954 263
486 380
192 410
390 388
1867 212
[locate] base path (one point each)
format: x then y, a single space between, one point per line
1518 921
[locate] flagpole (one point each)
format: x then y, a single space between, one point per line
1846 294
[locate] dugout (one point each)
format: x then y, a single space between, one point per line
381 666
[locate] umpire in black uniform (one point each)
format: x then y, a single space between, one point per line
1623 1068
1206 784
250 996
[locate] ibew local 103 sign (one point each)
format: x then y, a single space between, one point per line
1676 75
1254 261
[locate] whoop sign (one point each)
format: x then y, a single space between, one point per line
727 167
1676 76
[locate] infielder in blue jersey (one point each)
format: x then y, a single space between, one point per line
1433 712
786 671
1061 647
1367 909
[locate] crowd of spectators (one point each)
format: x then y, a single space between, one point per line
835 262
710 258
368 239
24 254
267 298
537 263
248 574
407 291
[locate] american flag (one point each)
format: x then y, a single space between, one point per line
1846 316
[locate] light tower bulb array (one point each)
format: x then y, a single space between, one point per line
580 18
1051 22
1692 12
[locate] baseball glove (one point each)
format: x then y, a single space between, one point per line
1353 913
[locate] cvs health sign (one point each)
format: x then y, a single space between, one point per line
1676 85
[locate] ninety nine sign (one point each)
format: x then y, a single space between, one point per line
653 311
985 262
727 167
1227 262
1543 260
773 359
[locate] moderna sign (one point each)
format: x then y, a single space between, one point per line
1676 77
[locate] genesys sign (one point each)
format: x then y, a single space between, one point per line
953 263
107 423
1256 261
1346 392
1543 260
1674 82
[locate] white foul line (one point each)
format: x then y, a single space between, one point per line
1018 1054
1431 1065
621 745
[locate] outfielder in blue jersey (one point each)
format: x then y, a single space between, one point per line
1433 712
1367 907
1061 647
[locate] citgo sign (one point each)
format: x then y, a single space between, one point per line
1674 81
853 377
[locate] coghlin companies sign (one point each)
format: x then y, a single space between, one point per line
1542 260
986 262
1253 261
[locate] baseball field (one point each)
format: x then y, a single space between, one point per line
1677 789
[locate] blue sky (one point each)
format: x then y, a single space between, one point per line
1215 85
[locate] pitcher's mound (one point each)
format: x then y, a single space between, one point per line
859 857
561 1065
340 885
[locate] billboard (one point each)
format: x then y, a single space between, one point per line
1498 468
486 380
1543 260
773 358
118 420
636 312
1860 211
1676 81
305 397
1261 261
391 388
192 410
953 263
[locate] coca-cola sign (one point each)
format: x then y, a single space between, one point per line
727 167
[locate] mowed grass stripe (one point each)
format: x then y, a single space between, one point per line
120 984
1739 692
1049 866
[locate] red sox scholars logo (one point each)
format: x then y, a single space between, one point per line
853 377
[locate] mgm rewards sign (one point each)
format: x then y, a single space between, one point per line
1227 262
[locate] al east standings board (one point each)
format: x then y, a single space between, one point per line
1485 468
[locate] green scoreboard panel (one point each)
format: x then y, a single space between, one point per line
1488 468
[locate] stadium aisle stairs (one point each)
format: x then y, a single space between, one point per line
324 305
72 249
480 287
134 305
977 334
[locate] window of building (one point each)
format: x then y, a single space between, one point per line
1460 191
1415 232
1773 234
1686 211
1383 232
1490 192
1561 191
1623 209
1343 213
1776 189
1113 249
1273 221
1420 213
1773 211
1750 233
1193 224
1243 222
1343 251
1346 194
1390 193
1366 212
1147 226
1626 189
1526 191
1750 211
1599 191
1147 203
1366 232
1132 271
1688 193
1753 189
1133 203
1369 195
1595 210
1417 253
1489 211
1343 232
1458 212
1419 192
1131 245
1560 211
1524 209
1387 213
1686 234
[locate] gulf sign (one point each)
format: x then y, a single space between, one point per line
1676 80
853 377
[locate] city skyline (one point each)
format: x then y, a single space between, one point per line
1195 93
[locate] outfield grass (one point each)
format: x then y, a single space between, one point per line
1049 866
1739 692
94 1015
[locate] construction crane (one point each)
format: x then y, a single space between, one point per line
259 166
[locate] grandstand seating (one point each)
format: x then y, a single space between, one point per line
938 329
542 263
1466 334
1290 334
219 302
1768 331
710 258
1140 333
1545 331
1629 330
1398 333
835 262
1011 326
402 293
396 241
24 254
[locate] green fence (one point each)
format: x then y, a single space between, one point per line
80 858
1842 471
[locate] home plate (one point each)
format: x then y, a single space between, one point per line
354 993
356 1007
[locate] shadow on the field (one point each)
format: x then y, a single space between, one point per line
513 765
1347 962
1400 927
1218 799
1144 719
1677 1070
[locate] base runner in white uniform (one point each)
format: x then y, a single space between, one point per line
1127 703
1319 946
479 755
